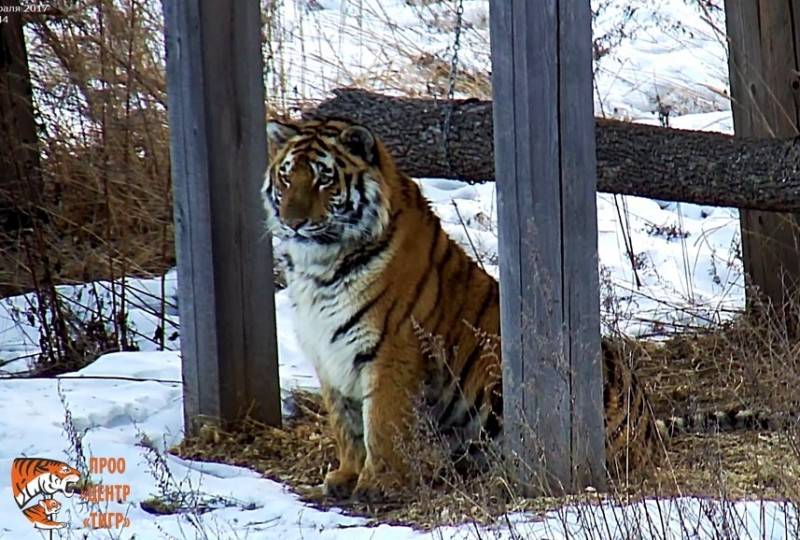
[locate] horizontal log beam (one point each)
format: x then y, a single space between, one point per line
632 159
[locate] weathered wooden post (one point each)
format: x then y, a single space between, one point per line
550 309
765 91
218 152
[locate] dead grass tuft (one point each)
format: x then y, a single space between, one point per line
745 465
739 364
299 454
688 373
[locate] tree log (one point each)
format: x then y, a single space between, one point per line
632 159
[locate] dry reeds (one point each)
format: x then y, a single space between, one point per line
105 210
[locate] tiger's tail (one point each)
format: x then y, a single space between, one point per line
730 420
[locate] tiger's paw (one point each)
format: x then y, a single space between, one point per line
339 484
375 489
370 493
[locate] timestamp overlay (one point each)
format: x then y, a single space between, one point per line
16 8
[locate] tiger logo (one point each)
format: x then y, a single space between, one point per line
42 515
370 272
32 477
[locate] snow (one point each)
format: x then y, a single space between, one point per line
686 271
117 414
671 58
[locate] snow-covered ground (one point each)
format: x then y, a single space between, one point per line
126 402
662 265
124 399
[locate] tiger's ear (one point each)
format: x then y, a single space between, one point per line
278 133
360 142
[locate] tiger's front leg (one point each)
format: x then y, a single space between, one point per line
387 411
346 422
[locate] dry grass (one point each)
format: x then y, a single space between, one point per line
299 454
105 210
744 465
737 465
99 92
740 364
687 373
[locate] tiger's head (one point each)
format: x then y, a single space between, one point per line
57 477
50 506
326 182
31 477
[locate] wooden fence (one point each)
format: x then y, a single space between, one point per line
544 138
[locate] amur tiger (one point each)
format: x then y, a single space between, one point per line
365 256
368 266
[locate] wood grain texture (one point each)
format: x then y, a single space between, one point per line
581 306
632 159
765 90
544 153
218 153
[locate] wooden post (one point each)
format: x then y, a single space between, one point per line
765 90
547 215
218 153
20 174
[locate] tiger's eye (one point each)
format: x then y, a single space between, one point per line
325 179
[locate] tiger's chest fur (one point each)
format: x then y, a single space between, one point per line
333 335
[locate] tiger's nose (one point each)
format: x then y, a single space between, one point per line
295 223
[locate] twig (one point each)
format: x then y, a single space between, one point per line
93 377
469 238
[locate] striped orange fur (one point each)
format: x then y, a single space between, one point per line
31 477
43 514
366 256
370 273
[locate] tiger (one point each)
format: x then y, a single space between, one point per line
31 477
42 514
369 271
364 256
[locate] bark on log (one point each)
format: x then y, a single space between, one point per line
632 159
